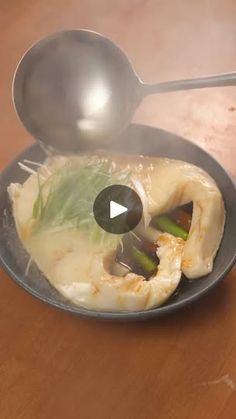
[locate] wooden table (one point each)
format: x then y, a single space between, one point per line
54 365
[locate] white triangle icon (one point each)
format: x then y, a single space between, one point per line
116 209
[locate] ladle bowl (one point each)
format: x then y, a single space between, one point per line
76 89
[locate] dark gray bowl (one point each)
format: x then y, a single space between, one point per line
137 139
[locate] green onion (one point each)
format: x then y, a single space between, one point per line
69 197
143 260
169 226
38 205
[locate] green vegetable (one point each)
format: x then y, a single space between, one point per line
169 226
38 205
143 260
65 200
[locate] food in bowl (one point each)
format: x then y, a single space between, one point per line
179 234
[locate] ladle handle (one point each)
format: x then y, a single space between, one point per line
227 79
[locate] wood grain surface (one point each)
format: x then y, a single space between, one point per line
54 365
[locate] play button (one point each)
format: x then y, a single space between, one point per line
117 209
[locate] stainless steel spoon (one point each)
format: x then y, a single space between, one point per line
76 88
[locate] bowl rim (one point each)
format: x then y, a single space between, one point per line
120 315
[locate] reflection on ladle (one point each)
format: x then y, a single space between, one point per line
77 89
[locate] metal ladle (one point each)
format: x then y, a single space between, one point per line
76 89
